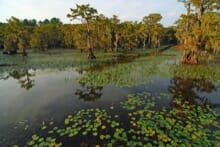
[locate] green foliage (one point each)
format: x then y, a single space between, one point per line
86 14
10 42
2 35
47 36
210 73
125 75
183 124
198 29
95 31
209 29
16 34
43 142
153 29
138 120
82 12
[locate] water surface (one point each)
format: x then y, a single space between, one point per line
30 98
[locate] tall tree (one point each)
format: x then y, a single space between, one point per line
85 13
153 28
31 22
23 41
128 35
48 35
115 35
55 20
39 38
11 35
101 32
169 35
143 34
16 34
2 30
193 38
210 28
69 33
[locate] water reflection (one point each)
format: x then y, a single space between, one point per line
189 89
88 92
116 59
24 77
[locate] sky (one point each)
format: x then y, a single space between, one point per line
127 10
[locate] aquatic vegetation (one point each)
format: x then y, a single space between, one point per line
140 120
184 124
130 74
57 59
43 142
94 122
133 102
210 73
145 125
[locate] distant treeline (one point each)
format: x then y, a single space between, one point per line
107 34
198 29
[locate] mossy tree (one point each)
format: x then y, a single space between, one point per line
191 28
85 13
153 29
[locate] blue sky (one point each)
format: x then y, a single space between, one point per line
125 9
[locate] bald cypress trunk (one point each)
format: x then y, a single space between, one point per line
89 48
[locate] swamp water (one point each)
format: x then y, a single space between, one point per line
148 101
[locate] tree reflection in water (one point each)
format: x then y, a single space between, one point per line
88 92
23 77
189 89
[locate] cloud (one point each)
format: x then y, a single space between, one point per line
125 9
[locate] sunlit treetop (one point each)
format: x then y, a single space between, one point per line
83 13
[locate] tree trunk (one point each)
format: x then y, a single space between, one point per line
116 42
89 48
200 43
149 40
88 44
144 43
158 43
189 57
91 54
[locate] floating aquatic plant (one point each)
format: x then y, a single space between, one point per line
183 124
131 74
43 142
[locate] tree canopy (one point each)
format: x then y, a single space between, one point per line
198 29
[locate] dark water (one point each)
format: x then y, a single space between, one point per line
23 109
30 98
